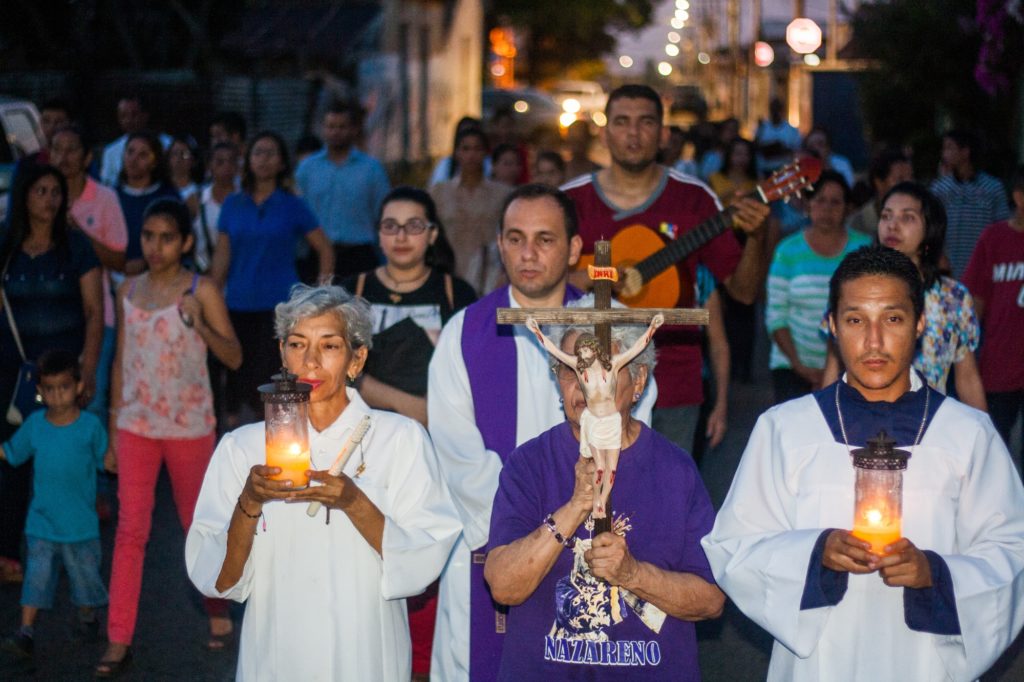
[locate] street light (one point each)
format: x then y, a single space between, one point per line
674 37
677 23
803 35
625 61
672 50
664 68
764 54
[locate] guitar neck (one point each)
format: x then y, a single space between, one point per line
678 249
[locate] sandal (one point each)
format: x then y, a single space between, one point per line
108 670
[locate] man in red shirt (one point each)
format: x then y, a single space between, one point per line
635 189
995 276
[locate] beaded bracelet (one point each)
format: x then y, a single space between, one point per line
242 509
549 523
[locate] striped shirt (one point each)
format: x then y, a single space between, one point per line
798 294
970 207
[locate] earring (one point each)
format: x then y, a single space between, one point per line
636 397
561 401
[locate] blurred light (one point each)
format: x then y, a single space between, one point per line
682 15
566 119
812 59
764 55
497 70
672 50
677 23
682 4
571 105
803 35
674 37
664 68
599 118
625 61
704 58
521 105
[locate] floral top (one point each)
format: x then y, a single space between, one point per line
951 330
165 386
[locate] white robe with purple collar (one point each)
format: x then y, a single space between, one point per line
962 500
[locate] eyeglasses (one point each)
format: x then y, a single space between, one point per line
392 227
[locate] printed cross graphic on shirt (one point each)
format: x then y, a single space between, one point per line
602 316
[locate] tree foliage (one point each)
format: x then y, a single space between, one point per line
925 82
557 34
112 34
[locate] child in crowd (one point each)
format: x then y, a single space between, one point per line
68 447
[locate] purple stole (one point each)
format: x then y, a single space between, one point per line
489 352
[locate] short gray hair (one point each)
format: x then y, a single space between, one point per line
623 336
305 301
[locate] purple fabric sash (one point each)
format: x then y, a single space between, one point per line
489 352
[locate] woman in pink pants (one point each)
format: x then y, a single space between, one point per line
161 409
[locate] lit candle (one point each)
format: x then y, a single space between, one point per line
878 505
293 459
875 524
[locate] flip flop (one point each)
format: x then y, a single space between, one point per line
108 670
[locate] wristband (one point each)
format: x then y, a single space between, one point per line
242 509
549 523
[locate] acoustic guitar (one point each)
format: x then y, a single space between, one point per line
650 262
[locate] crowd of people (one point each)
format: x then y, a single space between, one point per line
151 287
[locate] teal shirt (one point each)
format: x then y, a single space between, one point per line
798 295
63 507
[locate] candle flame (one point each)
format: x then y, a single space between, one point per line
873 516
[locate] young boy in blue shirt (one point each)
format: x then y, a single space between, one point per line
68 445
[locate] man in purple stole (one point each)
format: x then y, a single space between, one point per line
491 389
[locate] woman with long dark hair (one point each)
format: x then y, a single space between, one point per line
412 296
51 281
254 262
913 221
142 181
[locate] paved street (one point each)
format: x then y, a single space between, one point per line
171 629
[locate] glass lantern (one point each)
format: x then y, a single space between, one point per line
286 412
878 505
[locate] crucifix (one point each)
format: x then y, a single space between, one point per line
602 316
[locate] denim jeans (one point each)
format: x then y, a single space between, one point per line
42 572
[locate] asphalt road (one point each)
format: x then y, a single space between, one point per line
170 636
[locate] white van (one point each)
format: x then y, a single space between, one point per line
22 136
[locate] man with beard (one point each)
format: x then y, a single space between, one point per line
636 190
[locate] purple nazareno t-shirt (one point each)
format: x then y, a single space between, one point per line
569 628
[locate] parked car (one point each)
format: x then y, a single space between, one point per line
580 100
22 136
535 113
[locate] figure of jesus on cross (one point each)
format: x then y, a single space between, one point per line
600 422
599 381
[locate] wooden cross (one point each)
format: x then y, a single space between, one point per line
602 316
